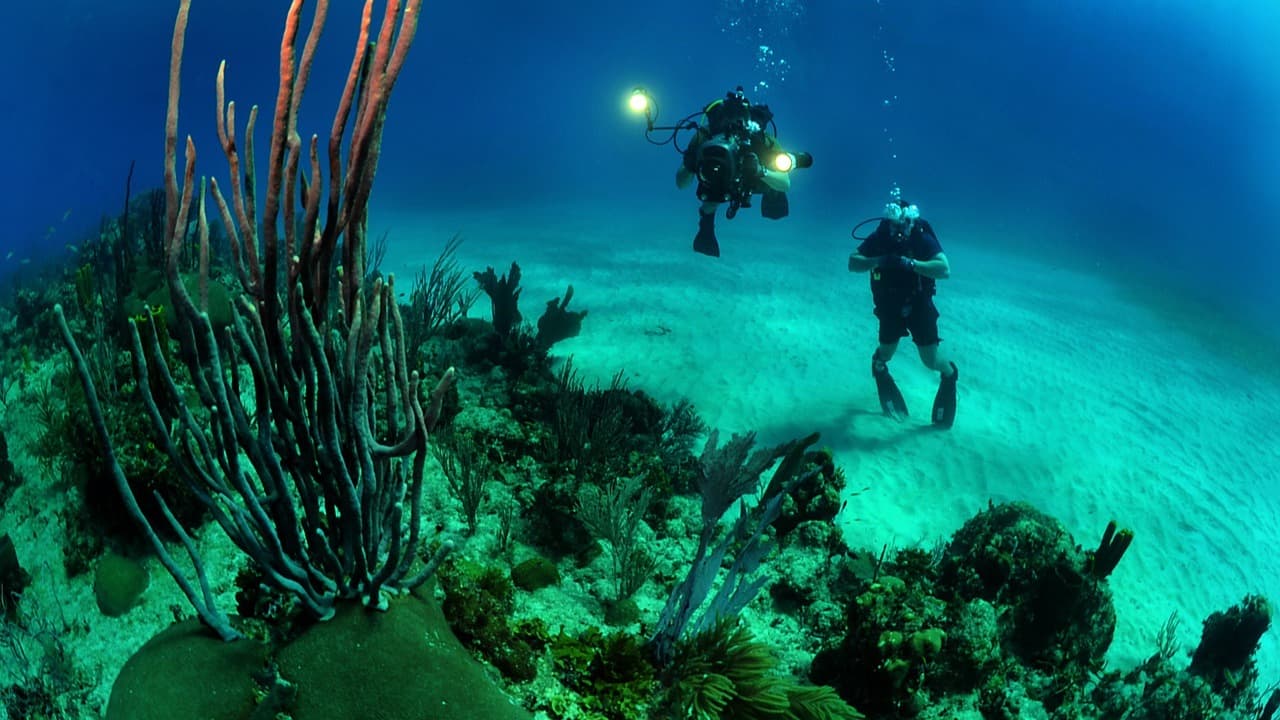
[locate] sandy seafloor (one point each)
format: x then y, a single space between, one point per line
1092 392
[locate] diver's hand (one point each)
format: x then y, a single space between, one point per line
751 167
861 263
684 178
896 262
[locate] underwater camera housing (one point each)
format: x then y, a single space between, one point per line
729 171
720 167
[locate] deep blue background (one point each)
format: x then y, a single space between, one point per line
1141 134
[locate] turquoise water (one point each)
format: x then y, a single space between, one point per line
1101 176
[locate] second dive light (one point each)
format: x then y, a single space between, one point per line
786 162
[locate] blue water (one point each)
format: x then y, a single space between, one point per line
1144 134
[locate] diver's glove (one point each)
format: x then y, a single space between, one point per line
896 262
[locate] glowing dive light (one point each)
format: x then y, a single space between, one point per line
639 101
783 162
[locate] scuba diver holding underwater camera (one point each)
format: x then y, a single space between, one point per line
732 156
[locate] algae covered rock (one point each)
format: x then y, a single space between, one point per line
402 664
535 574
188 673
118 584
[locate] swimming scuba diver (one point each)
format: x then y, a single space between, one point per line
733 156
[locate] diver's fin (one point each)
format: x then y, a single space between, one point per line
705 241
773 204
891 400
944 403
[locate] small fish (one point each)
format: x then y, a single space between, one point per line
26 261
9 256
73 248
66 215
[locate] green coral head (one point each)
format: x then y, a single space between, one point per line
897 669
927 643
889 640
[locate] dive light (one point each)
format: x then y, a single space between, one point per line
641 102
786 162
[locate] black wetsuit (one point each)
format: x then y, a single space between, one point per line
903 298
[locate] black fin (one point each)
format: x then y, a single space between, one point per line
706 244
774 205
944 403
705 241
891 400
